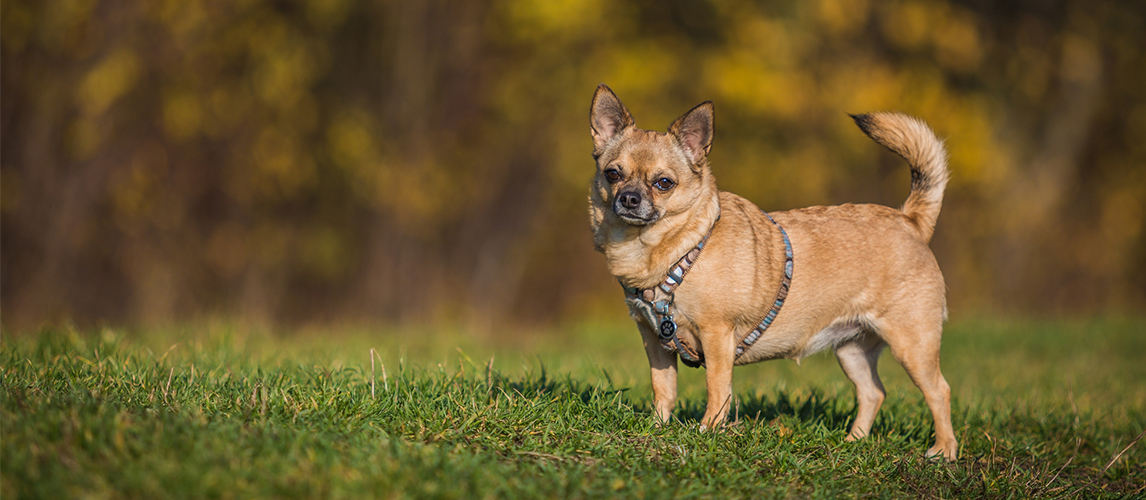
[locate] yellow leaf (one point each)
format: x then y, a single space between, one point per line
108 81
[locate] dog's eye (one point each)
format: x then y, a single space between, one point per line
664 184
612 175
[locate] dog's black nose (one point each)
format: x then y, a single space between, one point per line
629 200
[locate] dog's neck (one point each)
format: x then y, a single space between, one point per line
640 256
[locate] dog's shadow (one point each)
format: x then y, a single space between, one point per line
833 412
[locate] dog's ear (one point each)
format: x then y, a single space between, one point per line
607 117
694 131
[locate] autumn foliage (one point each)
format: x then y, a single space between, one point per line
325 160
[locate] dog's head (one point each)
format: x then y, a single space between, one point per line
644 176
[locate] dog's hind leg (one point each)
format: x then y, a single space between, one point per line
859 359
917 349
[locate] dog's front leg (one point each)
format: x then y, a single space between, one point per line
719 355
663 365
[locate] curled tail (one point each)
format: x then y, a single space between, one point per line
910 138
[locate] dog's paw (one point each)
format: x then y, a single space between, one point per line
704 427
854 435
947 452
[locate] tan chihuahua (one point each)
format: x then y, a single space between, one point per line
711 278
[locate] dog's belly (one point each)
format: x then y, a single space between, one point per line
832 336
788 344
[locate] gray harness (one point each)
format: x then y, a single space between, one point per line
660 312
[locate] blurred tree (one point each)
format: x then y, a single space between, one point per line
322 160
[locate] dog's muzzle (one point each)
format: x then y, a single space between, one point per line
634 209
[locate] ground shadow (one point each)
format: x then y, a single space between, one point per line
833 412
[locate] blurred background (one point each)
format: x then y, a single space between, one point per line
427 161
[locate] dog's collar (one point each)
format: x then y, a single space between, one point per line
662 310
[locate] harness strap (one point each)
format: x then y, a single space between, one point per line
781 294
663 309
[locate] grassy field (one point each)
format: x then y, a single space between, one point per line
1042 409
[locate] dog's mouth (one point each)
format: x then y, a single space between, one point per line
635 220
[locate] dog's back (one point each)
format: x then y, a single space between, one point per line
858 259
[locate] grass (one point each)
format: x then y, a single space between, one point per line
1042 409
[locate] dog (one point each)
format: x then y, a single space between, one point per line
712 279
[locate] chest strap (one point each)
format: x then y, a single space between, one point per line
660 312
